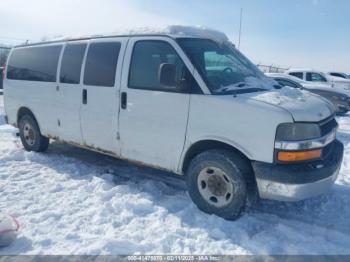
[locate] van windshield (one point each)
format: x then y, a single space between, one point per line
222 66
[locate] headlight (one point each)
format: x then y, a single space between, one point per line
297 131
300 142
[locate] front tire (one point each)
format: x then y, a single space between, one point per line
30 135
221 182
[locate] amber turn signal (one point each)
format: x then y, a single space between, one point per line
299 155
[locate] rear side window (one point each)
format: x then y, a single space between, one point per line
337 75
71 63
101 64
34 64
297 74
147 60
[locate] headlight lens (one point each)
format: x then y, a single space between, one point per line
297 131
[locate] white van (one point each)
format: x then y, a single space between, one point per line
184 100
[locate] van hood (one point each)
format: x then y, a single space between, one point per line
302 105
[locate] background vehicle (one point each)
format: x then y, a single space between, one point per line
339 97
186 101
339 74
1 80
310 75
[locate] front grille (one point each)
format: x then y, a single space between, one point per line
327 126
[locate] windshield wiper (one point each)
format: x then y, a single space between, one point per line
232 87
241 91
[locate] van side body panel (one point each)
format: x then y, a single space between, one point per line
38 97
99 116
69 103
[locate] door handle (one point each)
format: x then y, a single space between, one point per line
124 100
84 96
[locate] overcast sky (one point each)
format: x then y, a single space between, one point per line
289 33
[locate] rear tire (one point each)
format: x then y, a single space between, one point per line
30 135
221 182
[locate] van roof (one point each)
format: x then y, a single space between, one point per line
173 31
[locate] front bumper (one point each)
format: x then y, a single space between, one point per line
294 182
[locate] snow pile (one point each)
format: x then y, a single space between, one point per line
250 82
283 95
175 30
72 201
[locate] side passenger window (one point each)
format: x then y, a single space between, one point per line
34 63
71 63
155 65
101 64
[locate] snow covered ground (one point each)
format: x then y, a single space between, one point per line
72 201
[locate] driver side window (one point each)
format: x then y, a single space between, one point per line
149 59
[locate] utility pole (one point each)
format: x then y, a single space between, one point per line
240 28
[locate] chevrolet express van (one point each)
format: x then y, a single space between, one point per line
184 100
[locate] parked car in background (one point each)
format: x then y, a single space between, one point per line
339 74
1 80
310 75
338 96
186 101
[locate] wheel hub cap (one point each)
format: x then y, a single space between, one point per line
28 134
215 186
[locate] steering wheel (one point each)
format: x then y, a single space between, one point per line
227 70
226 75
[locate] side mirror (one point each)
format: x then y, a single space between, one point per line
167 75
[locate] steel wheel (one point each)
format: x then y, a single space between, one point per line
31 137
215 186
29 134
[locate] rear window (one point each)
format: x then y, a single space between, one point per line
337 75
101 64
34 64
71 63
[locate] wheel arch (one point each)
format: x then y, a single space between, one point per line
23 111
208 144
